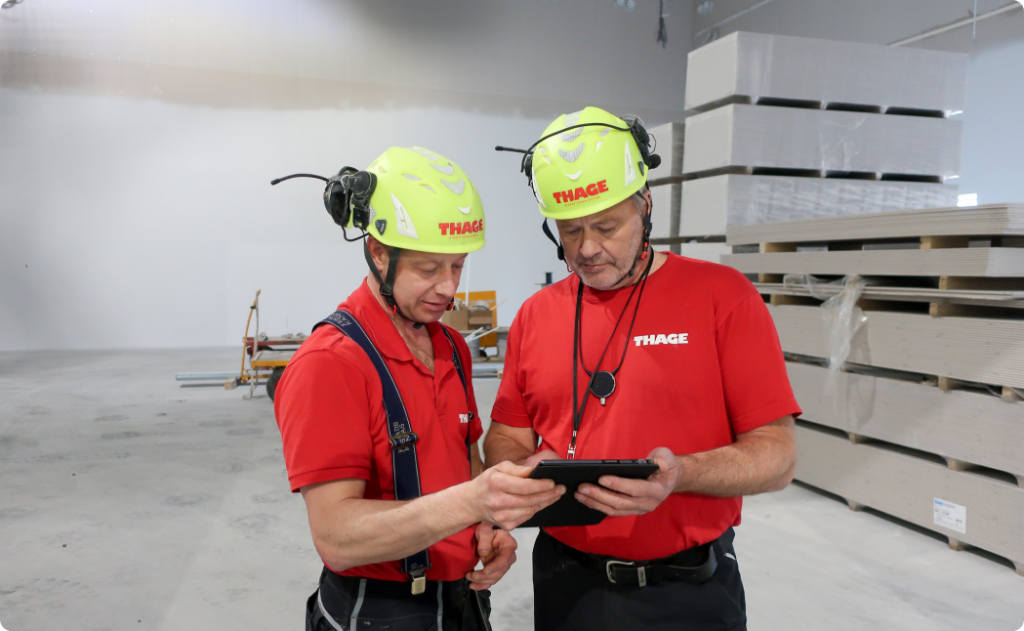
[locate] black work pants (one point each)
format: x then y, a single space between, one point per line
345 603
569 596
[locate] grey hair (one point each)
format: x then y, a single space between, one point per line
640 201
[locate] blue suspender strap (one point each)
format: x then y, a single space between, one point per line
403 440
462 378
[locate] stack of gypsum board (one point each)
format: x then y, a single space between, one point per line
791 127
986 511
911 256
666 190
931 406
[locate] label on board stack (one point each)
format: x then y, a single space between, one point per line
950 515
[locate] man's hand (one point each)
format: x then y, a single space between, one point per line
547 454
504 496
497 550
619 497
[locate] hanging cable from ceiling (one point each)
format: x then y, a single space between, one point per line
661 35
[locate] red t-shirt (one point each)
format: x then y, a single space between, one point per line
704 364
330 409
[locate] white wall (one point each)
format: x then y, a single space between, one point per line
993 158
137 141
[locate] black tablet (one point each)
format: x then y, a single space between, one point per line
568 511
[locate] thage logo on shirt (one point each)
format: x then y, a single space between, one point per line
463 418
661 338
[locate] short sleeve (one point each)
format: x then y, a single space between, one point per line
323 412
757 389
509 406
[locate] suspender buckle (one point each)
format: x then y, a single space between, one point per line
403 440
419 585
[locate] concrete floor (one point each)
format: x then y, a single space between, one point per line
129 502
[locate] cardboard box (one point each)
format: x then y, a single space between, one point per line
458 319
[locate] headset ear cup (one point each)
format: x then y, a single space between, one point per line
655 161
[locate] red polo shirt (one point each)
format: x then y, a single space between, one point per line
330 410
704 364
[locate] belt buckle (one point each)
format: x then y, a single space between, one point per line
641 571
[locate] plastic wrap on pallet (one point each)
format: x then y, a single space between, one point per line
712 204
668 140
665 200
843 318
757 136
757 66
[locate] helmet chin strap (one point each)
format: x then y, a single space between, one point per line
387 285
645 248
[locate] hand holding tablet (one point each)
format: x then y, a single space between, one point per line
568 511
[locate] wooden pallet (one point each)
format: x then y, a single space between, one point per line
968 428
908 487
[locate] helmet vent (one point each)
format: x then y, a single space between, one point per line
570 136
605 132
570 119
447 170
427 154
457 187
410 176
574 155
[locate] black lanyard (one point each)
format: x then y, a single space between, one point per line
602 382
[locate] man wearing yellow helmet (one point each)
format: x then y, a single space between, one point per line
379 422
673 359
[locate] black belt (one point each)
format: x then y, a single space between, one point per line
694 565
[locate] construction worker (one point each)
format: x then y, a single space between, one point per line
672 359
379 422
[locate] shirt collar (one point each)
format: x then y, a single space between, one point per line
364 306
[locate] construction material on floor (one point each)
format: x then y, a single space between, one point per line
990 220
823 141
735 200
968 508
917 357
790 128
757 67
711 252
667 141
664 182
980 262
966 428
979 350
666 200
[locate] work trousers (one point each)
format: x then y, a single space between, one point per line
571 596
345 603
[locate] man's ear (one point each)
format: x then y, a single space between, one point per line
378 253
